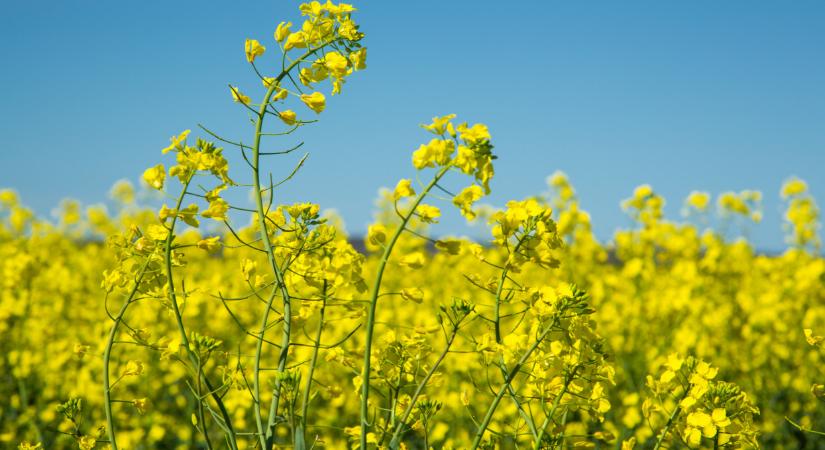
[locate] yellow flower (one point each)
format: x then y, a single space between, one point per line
439 125
154 176
698 200
282 31
793 187
217 209
248 268
141 404
211 244
465 199
428 213
288 117
295 40
80 350
377 234
315 101
176 142
812 339
133 368
336 64
412 294
403 189
238 96
26 445
253 49
358 59
413 260
86 442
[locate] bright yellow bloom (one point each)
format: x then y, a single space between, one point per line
465 199
377 234
282 31
428 213
295 40
217 209
793 187
812 339
403 189
133 368
253 49
154 176
413 294
288 117
336 64
141 404
176 142
439 125
358 59
238 96
698 200
315 101
211 244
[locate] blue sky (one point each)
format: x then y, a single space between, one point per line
702 95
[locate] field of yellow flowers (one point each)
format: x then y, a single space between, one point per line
136 329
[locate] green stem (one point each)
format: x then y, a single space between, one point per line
179 319
552 411
502 365
396 435
670 420
107 355
488 417
382 264
313 362
267 436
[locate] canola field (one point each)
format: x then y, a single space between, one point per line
132 328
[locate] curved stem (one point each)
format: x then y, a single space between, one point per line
670 420
552 411
266 436
382 264
179 320
107 354
313 362
507 380
396 435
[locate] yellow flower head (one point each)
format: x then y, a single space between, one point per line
315 101
253 49
288 117
403 189
238 96
282 31
154 176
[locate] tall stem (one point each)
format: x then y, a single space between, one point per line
382 264
396 435
107 355
313 362
507 380
179 320
670 420
266 436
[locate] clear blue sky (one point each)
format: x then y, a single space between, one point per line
682 95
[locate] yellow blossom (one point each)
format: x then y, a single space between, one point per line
253 49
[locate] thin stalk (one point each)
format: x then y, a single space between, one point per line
552 412
507 380
396 435
313 362
382 264
107 355
179 319
267 436
670 420
497 324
